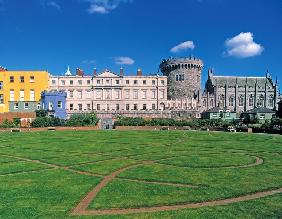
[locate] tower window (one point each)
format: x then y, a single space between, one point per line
179 78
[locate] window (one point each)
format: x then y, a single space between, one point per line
127 81
98 107
60 104
98 94
71 82
162 94
144 94
71 94
127 106
178 78
117 107
108 94
153 106
154 92
262 116
117 92
88 106
38 106
135 82
127 94
98 81
153 82
12 95
241 100
71 106
231 100
214 115
135 94
144 82
63 82
88 82
107 81
22 79
1 98
260 102
79 94
144 107
25 105
21 95
227 114
135 107
117 81
32 95
16 106
12 79
80 107
53 82
88 94
270 101
1 85
211 102
108 106
79 82
31 79
251 101
162 81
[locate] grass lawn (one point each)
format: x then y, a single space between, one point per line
152 169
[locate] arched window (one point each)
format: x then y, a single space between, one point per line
231 100
251 100
260 102
241 100
205 103
211 102
270 101
221 100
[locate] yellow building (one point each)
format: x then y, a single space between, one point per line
20 91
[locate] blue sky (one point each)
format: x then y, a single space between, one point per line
235 37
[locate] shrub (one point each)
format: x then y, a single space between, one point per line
7 124
47 121
83 120
41 113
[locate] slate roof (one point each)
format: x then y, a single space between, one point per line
241 81
260 110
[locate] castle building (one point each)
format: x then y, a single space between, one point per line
20 91
184 77
240 94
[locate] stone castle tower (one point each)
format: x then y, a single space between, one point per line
184 77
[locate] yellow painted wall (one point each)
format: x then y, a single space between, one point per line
40 84
2 106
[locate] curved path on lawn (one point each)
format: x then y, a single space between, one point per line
81 208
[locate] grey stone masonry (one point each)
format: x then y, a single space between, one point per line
184 77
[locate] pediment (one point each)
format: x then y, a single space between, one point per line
107 74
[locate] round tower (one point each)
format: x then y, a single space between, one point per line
184 77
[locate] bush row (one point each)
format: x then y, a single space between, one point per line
75 120
195 123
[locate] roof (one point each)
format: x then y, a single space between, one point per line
260 110
241 81
216 110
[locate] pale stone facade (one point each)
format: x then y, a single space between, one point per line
109 92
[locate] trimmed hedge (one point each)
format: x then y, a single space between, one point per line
195 123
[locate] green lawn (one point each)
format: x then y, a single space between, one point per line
163 168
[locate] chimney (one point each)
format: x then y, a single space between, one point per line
2 69
139 72
79 72
121 72
95 72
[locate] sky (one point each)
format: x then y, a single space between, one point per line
234 37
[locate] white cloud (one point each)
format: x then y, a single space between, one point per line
243 46
104 6
183 47
124 61
54 5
